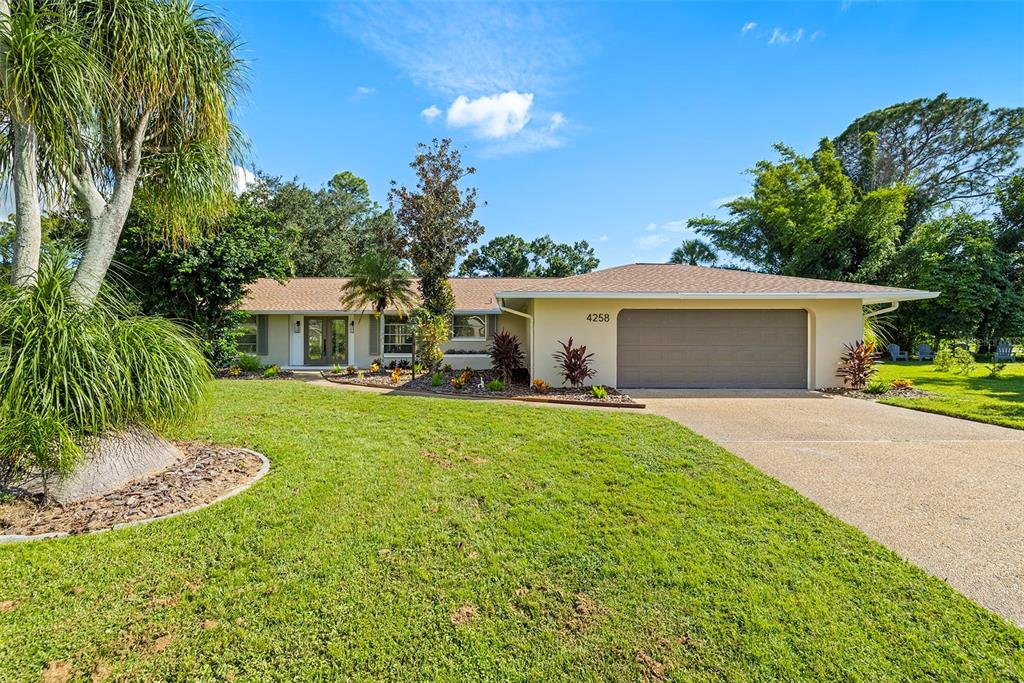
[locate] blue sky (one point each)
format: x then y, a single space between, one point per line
612 123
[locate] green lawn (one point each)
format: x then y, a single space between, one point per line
572 544
975 397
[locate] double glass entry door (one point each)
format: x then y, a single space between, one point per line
326 341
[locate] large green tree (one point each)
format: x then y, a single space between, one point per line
203 282
950 150
126 101
335 224
694 252
806 218
512 256
436 218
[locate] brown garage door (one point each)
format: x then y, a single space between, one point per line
760 349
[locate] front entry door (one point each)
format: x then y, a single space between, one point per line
326 341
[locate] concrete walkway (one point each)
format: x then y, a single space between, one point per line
946 494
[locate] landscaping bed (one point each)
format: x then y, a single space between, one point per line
477 386
236 373
907 392
202 474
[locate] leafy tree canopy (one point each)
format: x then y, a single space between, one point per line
203 283
806 218
512 256
949 149
436 220
694 253
334 224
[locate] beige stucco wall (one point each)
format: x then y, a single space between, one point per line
832 323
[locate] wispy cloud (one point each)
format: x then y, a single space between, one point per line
660 235
749 26
363 92
488 58
781 37
719 201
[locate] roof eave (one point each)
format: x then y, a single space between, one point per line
866 297
261 311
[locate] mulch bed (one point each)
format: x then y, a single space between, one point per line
892 393
202 474
477 387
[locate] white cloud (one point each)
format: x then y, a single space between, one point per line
660 235
492 116
557 120
719 201
469 48
602 238
431 112
243 178
780 37
363 91
749 26
817 34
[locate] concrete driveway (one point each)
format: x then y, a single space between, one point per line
946 494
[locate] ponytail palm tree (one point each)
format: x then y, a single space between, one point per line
142 111
379 282
694 253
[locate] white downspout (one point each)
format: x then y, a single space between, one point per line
889 309
529 331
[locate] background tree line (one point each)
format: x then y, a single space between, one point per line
925 194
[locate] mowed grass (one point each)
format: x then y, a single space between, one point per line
412 538
975 396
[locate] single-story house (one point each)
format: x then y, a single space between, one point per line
648 325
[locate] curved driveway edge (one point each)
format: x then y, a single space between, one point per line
944 493
262 472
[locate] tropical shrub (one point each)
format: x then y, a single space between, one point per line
495 385
432 331
350 370
271 371
856 366
336 369
374 367
436 379
877 386
458 383
901 383
598 391
447 368
963 361
247 362
943 359
506 356
417 368
995 368
574 363
396 375
70 372
540 386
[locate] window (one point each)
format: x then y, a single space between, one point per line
248 339
397 335
469 327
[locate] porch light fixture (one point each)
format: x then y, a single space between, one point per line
298 327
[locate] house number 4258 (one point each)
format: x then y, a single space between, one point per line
598 317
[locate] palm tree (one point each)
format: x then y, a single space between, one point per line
127 100
695 253
379 281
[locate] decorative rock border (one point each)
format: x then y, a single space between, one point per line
262 472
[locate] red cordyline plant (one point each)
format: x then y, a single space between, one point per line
506 356
574 363
857 365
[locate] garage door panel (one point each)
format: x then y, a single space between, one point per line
712 348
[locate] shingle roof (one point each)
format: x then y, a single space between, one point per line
324 294
670 278
478 294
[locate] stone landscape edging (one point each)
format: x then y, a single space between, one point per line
262 472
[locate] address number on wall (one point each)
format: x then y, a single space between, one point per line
598 318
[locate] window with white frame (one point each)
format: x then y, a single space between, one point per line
469 327
248 338
397 334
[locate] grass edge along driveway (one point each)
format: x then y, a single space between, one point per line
409 538
978 397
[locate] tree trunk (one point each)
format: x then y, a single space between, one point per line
104 233
28 230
